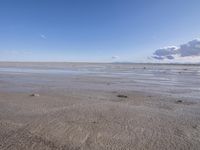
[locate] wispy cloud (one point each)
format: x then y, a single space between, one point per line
115 57
43 36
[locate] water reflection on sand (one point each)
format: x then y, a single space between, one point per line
179 80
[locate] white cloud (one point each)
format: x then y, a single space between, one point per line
115 57
43 36
185 52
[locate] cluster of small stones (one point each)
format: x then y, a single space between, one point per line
35 95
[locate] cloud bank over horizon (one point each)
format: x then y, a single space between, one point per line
188 52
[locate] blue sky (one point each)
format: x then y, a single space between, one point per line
94 30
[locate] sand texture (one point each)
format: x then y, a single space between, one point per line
91 112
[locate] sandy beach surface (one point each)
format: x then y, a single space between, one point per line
82 106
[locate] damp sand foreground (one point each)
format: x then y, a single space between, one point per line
99 106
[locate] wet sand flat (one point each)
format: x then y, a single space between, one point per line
99 106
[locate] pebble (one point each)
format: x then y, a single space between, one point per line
179 101
35 95
122 96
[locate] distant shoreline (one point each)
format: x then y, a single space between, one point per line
128 63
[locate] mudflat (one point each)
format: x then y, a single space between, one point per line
71 106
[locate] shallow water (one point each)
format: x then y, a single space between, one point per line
178 80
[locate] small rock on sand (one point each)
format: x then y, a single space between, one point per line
122 96
179 101
35 95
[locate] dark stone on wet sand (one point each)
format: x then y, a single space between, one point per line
35 95
122 96
179 101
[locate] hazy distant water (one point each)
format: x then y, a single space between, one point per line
177 80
